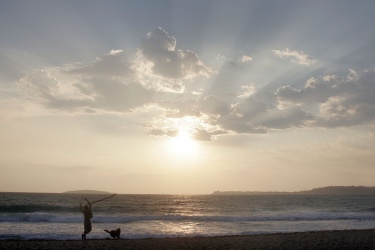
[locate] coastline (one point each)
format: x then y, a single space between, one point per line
336 239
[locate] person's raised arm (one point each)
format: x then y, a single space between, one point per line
88 202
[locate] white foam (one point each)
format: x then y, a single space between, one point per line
76 218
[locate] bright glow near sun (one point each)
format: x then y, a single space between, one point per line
182 149
184 138
183 146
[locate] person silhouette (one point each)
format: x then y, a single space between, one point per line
87 213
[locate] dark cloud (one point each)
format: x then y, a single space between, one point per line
167 62
314 91
237 124
284 119
341 101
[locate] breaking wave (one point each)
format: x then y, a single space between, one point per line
77 218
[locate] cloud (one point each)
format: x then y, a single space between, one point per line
115 82
196 134
162 132
204 135
246 59
115 63
298 57
108 84
162 77
247 90
180 109
257 115
329 101
220 57
288 118
339 101
235 124
165 61
314 91
213 105
115 95
53 88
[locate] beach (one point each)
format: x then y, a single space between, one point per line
336 239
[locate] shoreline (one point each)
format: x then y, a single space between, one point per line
335 239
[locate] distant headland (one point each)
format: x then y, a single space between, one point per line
331 190
86 192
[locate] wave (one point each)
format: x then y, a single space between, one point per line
37 208
77 218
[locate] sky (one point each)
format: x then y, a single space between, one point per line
186 97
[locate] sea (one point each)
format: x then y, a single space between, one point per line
26 216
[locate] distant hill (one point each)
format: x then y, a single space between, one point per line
331 190
249 193
346 190
86 192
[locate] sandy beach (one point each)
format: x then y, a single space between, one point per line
346 239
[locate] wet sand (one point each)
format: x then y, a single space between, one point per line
345 239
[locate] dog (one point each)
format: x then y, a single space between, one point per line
114 233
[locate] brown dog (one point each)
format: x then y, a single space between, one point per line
114 233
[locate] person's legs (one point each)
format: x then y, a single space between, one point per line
88 229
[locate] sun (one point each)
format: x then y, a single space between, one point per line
183 145
184 138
